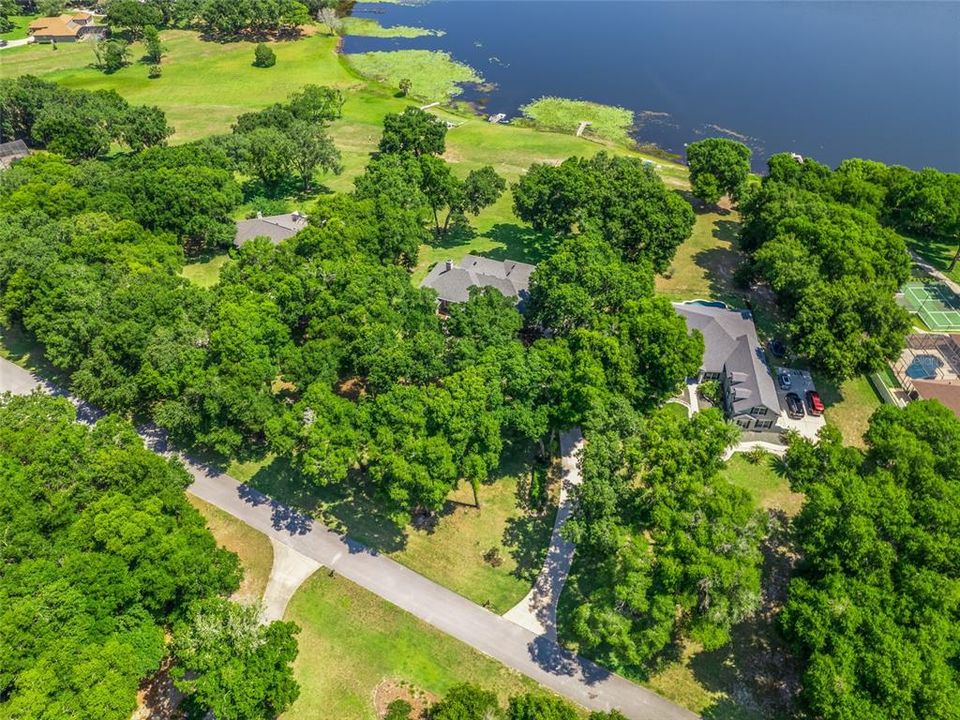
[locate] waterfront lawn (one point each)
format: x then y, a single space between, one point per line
450 551
252 547
204 86
351 641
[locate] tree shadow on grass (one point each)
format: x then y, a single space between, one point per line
20 346
349 507
521 243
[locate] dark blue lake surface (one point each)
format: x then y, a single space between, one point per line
878 80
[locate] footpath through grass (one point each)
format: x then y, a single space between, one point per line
351 641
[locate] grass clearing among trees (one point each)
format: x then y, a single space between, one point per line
450 551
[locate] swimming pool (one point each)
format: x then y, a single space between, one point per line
924 367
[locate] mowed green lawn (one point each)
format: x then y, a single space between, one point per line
351 641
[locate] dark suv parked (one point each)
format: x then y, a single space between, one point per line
794 406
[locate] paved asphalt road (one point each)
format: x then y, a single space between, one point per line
535 656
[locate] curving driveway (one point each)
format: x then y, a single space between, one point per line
536 656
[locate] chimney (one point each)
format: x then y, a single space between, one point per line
449 264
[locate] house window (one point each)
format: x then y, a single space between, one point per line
743 423
711 376
760 411
764 424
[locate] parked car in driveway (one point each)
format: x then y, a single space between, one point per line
814 403
783 377
794 406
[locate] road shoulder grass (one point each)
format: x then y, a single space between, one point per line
351 641
251 546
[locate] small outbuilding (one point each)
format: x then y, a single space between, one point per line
13 150
452 281
276 228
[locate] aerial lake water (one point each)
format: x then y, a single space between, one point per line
878 80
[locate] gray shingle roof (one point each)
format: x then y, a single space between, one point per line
274 227
13 150
453 281
731 346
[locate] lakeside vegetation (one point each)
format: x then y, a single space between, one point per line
434 76
564 116
368 27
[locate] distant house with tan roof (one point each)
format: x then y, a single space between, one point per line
66 28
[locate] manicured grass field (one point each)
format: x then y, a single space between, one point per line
449 551
252 546
563 115
849 406
352 640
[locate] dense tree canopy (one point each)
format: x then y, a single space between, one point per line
834 269
665 547
101 553
78 124
231 664
718 166
874 606
621 197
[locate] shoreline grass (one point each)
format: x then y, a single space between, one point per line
564 115
366 27
434 75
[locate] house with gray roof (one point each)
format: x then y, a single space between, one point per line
13 150
733 355
276 228
452 281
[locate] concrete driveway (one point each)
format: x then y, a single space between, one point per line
800 381
17 43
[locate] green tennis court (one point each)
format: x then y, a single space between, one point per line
935 303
